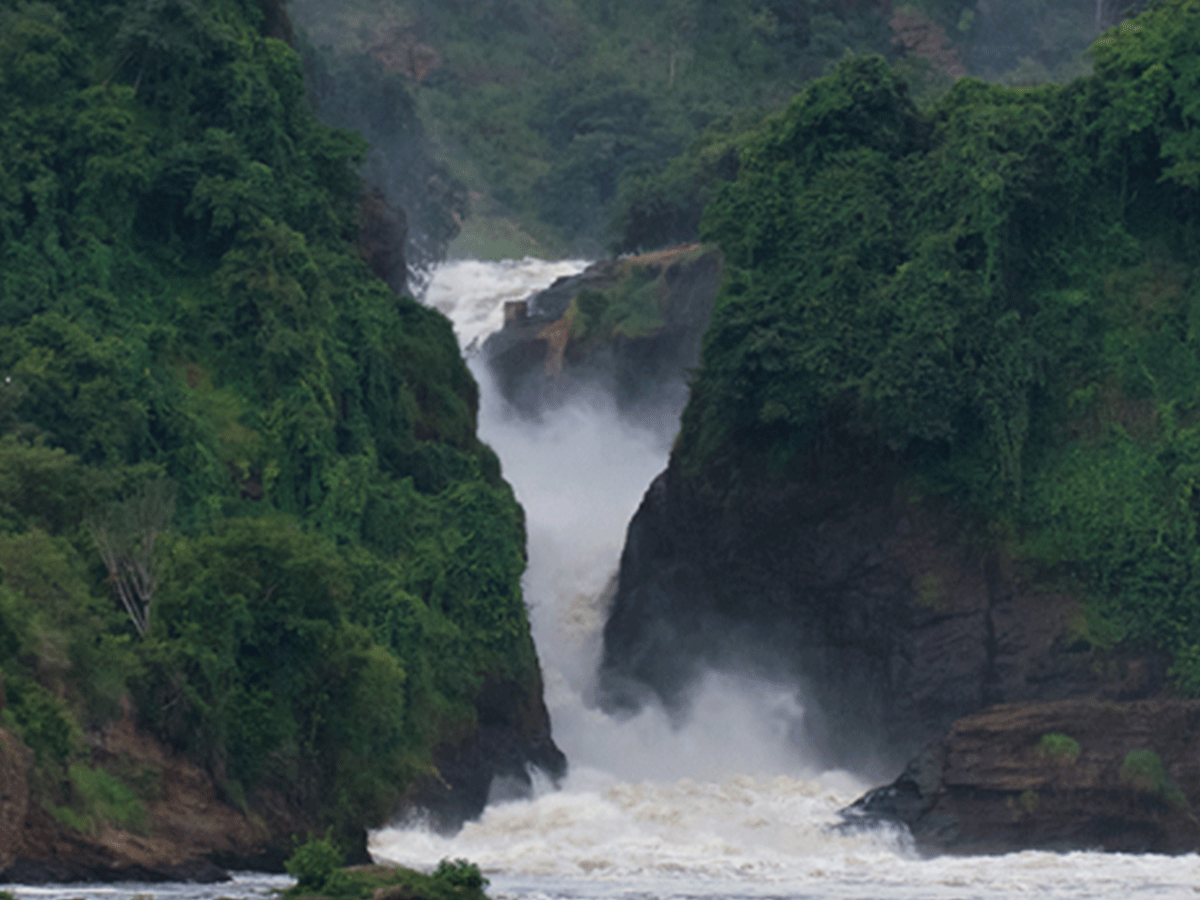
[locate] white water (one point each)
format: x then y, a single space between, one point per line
724 806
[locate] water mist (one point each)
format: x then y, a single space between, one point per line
645 781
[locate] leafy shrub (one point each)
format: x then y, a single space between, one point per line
314 861
1143 770
41 720
316 866
1059 747
460 873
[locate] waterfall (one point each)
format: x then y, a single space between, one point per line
724 804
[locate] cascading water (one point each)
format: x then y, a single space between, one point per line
722 805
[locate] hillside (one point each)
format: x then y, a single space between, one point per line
566 119
940 450
242 503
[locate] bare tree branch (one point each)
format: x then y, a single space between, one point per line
125 536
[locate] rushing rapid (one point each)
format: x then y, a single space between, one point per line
724 805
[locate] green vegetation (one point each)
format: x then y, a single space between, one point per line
240 486
101 797
1143 770
1061 748
563 116
1000 292
316 866
632 307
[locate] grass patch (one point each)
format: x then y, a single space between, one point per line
316 866
99 798
1143 770
1060 748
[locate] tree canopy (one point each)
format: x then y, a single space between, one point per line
182 304
563 116
1000 291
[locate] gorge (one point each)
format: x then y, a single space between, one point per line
726 796
858 528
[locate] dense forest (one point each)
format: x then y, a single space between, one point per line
1001 293
241 496
584 125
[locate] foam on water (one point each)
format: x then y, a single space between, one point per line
473 293
723 805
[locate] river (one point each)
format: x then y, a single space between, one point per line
724 805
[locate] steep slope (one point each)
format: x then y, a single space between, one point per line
938 453
242 502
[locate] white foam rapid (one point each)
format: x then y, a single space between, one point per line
724 805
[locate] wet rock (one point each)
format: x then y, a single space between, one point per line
1066 775
540 361
896 613
382 230
511 737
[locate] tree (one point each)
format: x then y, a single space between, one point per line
125 537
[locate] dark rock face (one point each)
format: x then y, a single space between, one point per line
69 871
895 612
275 22
1067 775
382 229
512 735
537 364
195 836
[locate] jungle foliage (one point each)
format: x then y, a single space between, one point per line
565 115
317 867
1003 293
182 304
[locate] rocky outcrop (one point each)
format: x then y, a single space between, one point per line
192 834
897 612
275 21
15 759
637 348
1069 775
187 824
382 229
512 735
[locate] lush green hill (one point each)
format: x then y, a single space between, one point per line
1002 293
210 407
562 115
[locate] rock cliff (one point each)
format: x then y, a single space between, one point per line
898 612
631 327
1068 775
193 833
187 826
512 734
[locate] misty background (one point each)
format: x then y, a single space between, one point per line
556 128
